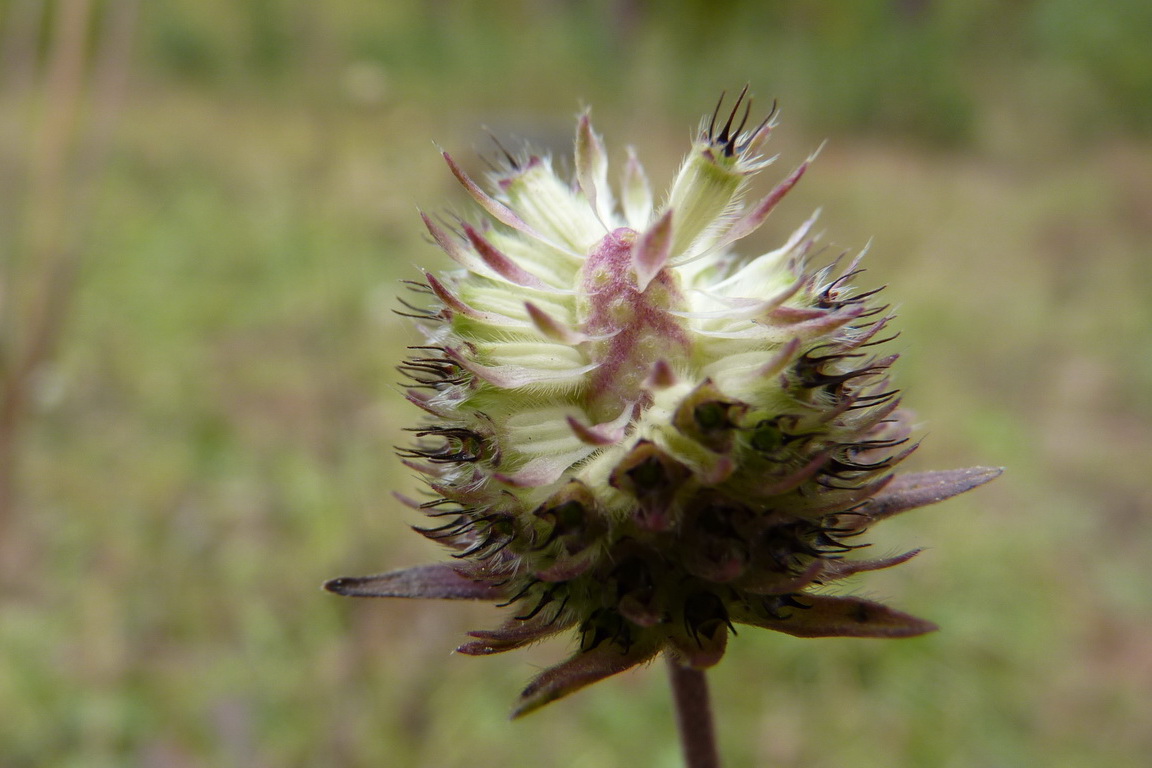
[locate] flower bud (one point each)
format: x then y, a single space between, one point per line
635 431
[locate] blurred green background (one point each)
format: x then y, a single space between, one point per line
206 207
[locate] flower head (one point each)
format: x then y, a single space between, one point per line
636 433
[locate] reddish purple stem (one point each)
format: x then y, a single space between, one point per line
693 716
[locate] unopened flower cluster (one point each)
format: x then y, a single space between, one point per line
638 434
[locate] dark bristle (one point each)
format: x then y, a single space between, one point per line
519 595
544 600
726 137
763 124
513 163
715 113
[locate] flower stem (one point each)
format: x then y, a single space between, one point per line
693 715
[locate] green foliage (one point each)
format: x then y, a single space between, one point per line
1106 49
917 67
